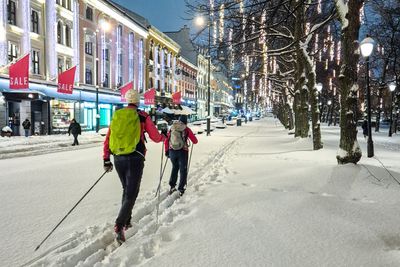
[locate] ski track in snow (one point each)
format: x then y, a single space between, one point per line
96 245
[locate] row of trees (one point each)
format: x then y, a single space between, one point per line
283 48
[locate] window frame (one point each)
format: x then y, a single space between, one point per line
89 48
90 13
59 32
36 61
35 23
12 14
13 47
88 76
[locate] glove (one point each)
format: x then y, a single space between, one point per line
164 132
108 166
167 153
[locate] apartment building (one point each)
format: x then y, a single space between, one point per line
107 46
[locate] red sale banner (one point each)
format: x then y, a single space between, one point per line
19 74
125 88
149 97
176 98
66 81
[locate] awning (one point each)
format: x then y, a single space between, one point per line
51 91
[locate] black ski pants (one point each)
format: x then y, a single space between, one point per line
179 160
130 171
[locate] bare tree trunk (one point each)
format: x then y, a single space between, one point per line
350 151
316 130
302 126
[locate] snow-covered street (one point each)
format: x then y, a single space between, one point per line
256 196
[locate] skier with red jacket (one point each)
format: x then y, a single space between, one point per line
126 141
177 149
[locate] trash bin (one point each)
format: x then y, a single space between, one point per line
239 122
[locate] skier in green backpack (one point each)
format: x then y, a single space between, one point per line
126 141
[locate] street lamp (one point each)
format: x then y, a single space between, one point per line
392 88
201 21
104 26
366 47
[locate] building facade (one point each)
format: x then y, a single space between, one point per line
161 72
107 46
187 82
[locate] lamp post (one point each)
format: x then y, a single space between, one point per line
200 21
104 26
366 47
392 88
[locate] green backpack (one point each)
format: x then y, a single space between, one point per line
125 131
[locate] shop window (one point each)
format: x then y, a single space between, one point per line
62 113
89 13
35 21
36 62
12 51
59 32
11 12
89 48
88 76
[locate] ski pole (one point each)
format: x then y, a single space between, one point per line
70 211
158 190
190 158
161 176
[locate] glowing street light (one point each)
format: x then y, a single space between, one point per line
366 47
200 21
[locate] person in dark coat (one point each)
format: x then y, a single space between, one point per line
27 126
75 129
364 126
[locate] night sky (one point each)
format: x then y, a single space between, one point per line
165 15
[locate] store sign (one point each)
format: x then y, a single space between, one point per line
19 74
176 98
149 97
124 89
66 81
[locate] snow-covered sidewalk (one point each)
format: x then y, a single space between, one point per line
18 146
258 197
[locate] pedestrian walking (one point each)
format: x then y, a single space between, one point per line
364 126
27 126
75 130
176 148
125 140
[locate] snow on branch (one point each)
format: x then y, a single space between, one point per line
342 10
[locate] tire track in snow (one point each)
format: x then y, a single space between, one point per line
96 245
